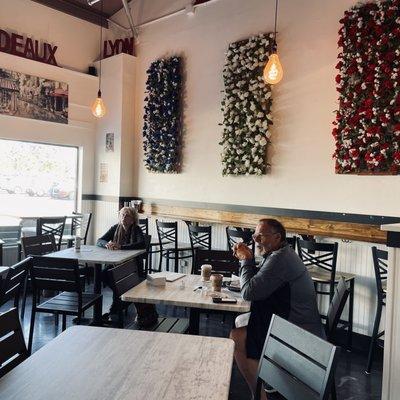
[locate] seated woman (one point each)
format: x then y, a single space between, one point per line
127 235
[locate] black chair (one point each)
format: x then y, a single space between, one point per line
336 308
237 235
1 252
12 284
380 258
222 261
80 224
62 275
200 237
154 247
144 225
10 236
122 278
170 248
12 343
35 246
292 241
298 364
320 260
51 226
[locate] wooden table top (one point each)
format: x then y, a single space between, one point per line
89 363
173 294
97 255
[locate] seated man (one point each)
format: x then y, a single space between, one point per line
280 285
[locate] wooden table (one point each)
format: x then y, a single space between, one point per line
98 256
90 363
173 294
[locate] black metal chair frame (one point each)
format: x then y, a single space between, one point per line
168 234
35 246
298 364
51 226
222 261
13 283
121 278
79 221
12 343
324 256
200 238
380 258
62 275
237 235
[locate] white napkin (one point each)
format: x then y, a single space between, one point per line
235 281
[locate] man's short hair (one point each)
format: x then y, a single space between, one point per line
276 226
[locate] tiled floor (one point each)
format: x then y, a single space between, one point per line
352 382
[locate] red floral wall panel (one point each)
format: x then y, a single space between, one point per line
367 126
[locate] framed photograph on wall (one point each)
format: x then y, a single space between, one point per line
109 142
29 96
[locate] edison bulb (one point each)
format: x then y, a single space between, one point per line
99 108
273 71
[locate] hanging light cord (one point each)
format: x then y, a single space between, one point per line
101 42
274 45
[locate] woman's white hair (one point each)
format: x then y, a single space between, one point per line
132 211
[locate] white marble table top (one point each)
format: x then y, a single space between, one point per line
102 363
97 255
391 227
173 294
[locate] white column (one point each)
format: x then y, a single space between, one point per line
391 358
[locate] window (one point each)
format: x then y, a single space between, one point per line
37 179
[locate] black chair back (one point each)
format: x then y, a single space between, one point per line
62 274
236 235
10 235
123 277
336 308
380 258
81 222
38 245
51 226
200 236
11 286
222 261
292 242
144 225
321 255
12 343
298 364
167 233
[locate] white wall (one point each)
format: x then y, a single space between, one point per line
77 40
302 174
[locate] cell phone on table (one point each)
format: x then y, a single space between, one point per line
228 300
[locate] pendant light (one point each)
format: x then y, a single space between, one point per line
273 71
98 107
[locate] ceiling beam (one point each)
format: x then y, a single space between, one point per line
77 10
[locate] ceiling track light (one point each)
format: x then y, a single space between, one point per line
91 2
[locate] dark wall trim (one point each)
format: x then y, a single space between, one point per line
286 212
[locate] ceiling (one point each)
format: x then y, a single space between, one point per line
93 14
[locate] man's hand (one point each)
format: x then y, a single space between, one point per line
242 252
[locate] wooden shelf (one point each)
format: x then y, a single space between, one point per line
306 226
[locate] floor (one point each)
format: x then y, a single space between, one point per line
352 382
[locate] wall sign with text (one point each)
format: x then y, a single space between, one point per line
112 48
15 44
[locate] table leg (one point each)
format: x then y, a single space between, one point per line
194 321
97 317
